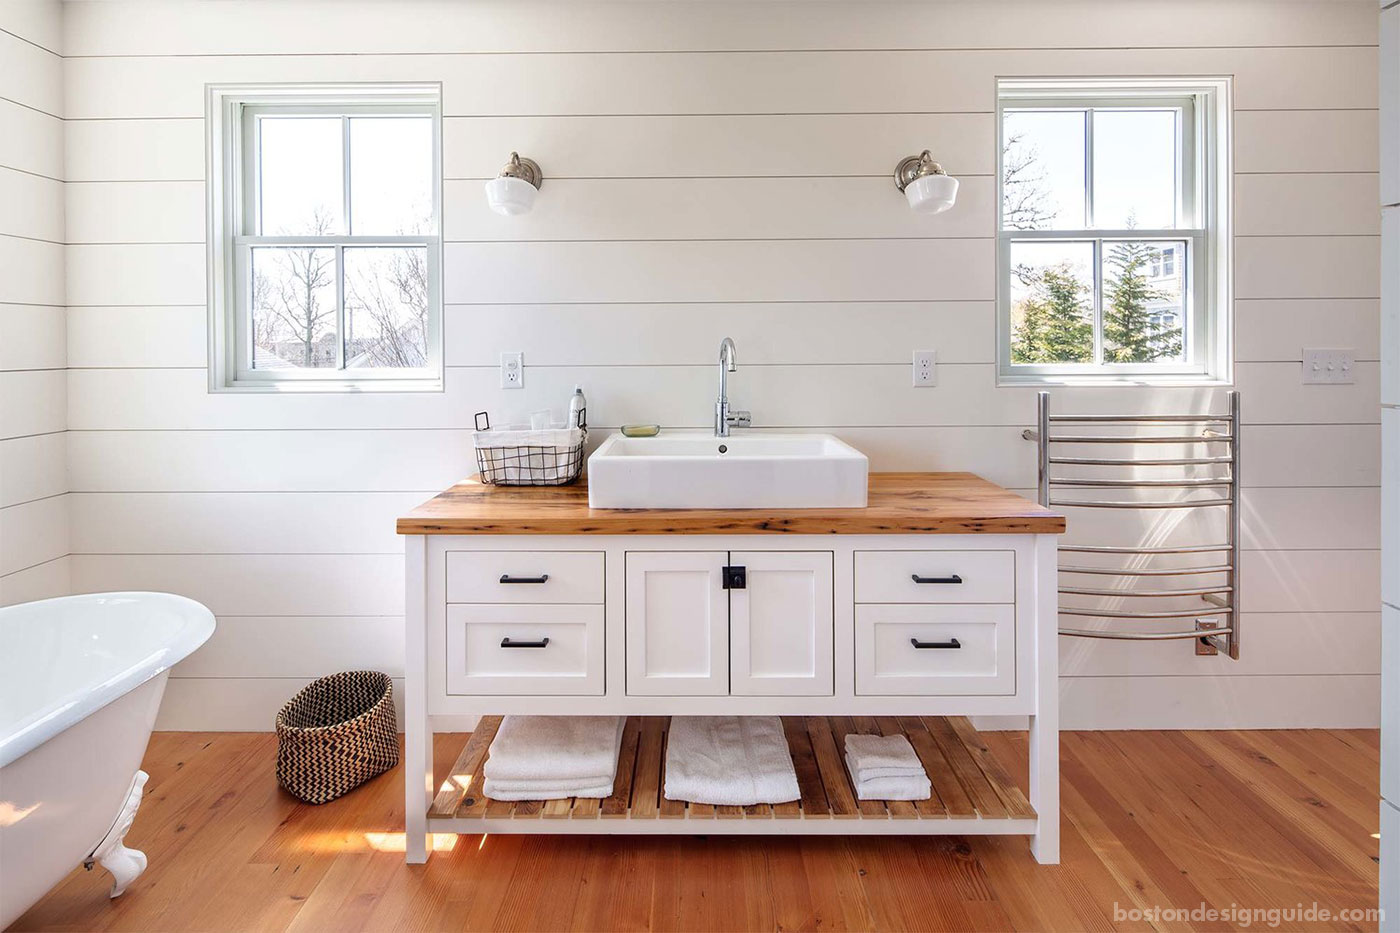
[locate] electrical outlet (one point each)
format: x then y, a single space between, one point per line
1329 367
925 368
513 370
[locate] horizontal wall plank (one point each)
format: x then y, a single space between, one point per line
682 396
239 523
1311 455
732 145
44 581
175 335
31 271
1307 205
36 21
1338 141
1307 267
1279 329
34 467
1291 701
30 75
832 270
241 704
158 274
495 25
848 81
720 208
136 212
1271 643
32 337
297 646
135 150
689 334
33 205
44 408
32 141
256 584
32 533
1311 581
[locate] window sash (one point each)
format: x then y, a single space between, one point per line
1198 219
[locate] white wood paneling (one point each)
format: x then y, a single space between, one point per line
239 704
1389 89
32 402
1310 581
30 75
134 150
35 532
31 271
32 141
165 335
136 212
33 205
255 584
1279 329
32 337
37 21
1307 267
33 467
1337 141
306 646
1311 701
1341 203
144 274
1312 455
43 581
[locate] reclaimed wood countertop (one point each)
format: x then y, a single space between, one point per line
899 503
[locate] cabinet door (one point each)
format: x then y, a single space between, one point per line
677 624
781 624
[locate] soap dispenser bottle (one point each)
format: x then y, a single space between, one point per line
577 408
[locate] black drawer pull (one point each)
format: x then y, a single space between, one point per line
507 643
950 643
951 578
507 578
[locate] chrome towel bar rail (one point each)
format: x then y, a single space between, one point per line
1217 627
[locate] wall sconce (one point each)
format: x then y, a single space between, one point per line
930 190
513 191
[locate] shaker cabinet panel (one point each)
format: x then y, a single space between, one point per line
677 623
781 624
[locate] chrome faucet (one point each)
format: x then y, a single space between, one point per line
724 418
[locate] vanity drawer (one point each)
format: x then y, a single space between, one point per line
935 576
525 650
529 577
935 650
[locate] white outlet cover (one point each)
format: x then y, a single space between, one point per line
925 368
1323 366
513 370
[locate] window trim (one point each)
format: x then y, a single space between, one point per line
232 210
1205 168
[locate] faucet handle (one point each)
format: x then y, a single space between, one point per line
741 419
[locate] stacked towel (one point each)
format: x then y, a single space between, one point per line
548 757
885 767
729 761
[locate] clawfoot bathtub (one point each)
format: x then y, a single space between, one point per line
81 679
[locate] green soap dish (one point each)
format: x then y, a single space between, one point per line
641 430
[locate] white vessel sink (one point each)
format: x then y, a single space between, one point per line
749 470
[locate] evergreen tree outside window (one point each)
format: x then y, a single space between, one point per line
1112 243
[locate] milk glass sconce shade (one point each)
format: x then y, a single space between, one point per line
513 191
930 190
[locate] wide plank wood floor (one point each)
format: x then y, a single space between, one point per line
1158 820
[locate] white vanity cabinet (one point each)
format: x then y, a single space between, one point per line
729 623
934 604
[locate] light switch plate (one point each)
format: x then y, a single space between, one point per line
1329 366
925 368
513 370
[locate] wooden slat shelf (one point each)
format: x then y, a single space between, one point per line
968 782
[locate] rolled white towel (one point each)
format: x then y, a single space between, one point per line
561 750
729 761
881 756
895 788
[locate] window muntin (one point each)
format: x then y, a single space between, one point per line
1107 242
330 245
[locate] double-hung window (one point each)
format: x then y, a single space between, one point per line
325 245
1113 245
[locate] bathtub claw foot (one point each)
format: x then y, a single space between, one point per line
126 865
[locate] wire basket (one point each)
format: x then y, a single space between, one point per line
525 457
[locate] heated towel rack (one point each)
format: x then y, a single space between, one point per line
1103 462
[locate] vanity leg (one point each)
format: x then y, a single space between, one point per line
1045 724
418 737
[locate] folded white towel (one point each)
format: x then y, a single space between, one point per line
561 750
548 784
729 761
495 791
880 756
895 788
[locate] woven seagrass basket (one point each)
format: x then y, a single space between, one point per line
335 734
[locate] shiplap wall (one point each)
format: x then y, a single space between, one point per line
33 345
712 168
